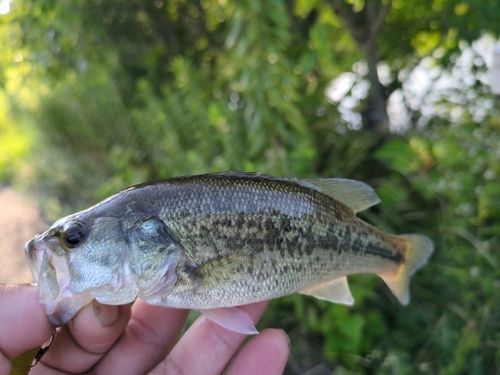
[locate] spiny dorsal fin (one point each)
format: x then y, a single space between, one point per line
334 291
355 194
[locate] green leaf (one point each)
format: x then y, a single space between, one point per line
304 7
391 193
320 41
400 156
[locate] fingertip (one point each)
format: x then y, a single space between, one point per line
97 326
264 354
285 335
279 339
106 315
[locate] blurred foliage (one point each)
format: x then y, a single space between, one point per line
97 96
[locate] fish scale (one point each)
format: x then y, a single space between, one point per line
298 232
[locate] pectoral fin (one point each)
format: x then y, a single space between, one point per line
334 291
231 318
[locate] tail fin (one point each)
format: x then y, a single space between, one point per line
418 251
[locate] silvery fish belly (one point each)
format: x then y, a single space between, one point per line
216 241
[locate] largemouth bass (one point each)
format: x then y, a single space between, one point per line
216 241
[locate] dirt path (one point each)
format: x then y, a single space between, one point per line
19 221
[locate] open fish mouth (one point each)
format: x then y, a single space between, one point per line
51 273
35 254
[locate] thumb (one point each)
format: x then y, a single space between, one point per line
24 324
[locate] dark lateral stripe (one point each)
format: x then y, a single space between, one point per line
384 253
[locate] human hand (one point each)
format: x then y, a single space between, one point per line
141 339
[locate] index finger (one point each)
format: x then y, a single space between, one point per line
150 334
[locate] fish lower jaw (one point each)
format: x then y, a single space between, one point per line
62 309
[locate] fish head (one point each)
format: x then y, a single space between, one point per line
114 259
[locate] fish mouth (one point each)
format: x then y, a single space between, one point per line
51 272
35 254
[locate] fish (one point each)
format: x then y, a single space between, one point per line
217 241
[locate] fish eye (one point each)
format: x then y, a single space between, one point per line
73 234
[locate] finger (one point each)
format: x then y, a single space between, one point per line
24 322
80 344
150 335
206 348
265 354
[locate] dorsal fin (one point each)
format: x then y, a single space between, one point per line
355 194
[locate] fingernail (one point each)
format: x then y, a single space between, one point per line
106 315
288 338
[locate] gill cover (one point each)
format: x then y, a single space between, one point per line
153 255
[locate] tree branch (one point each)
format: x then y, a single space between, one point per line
377 23
365 26
346 13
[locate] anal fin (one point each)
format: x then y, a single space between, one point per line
231 318
334 291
